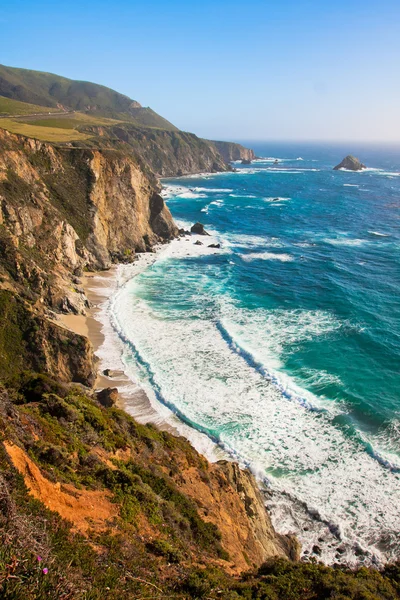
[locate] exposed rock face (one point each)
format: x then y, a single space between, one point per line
266 542
31 341
231 151
246 161
172 153
107 397
350 163
63 210
166 153
198 228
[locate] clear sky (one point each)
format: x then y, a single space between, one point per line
263 69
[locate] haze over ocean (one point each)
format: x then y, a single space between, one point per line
283 346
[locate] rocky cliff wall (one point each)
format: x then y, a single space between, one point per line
231 151
65 209
167 153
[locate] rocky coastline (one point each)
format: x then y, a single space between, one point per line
93 502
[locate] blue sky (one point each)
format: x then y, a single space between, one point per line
302 69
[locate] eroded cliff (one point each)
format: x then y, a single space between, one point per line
231 151
63 210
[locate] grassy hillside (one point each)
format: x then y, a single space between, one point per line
40 132
52 91
15 107
92 508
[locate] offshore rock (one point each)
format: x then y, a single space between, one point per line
350 163
198 228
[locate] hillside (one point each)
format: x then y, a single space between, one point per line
54 91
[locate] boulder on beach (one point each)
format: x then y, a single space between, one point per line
198 243
198 228
350 163
214 246
107 397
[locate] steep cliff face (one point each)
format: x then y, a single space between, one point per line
167 153
29 340
63 210
146 487
231 151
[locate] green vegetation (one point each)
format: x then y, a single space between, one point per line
15 107
175 555
49 90
40 132
69 121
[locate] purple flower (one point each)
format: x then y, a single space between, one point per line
45 570
39 558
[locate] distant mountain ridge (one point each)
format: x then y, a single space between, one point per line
54 91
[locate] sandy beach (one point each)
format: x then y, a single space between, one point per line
99 286
96 325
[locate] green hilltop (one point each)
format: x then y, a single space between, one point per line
53 91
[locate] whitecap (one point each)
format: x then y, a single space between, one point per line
276 199
379 234
267 256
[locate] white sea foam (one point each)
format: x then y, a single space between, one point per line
351 185
238 240
267 256
206 209
221 374
276 199
379 234
345 241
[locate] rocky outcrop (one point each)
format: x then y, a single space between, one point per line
63 210
108 397
166 153
170 153
198 228
31 340
350 163
264 541
231 151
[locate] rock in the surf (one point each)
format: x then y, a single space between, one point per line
198 228
350 163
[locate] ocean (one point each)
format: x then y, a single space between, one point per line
283 345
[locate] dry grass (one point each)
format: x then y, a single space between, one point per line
46 134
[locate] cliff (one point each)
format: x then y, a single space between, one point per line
167 153
231 151
64 210
94 505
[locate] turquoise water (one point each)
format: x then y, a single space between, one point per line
284 345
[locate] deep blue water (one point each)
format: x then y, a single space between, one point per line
284 345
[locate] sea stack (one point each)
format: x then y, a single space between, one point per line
350 163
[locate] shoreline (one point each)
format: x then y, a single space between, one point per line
100 287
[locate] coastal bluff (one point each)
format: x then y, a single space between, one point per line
350 163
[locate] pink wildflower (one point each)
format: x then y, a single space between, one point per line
45 570
39 558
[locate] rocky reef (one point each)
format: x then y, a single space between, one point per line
350 163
